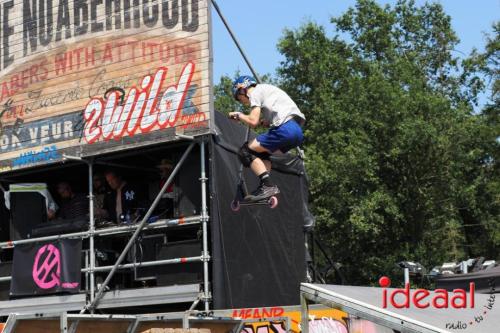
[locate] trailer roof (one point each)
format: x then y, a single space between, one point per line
366 302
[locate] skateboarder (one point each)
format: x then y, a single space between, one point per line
281 114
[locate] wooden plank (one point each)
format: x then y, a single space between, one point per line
96 46
16 12
46 103
177 330
18 21
73 137
213 327
53 326
17 46
83 60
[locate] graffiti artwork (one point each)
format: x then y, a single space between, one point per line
321 320
60 59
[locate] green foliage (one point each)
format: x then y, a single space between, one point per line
401 166
224 100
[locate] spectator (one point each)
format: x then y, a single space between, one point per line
73 205
122 202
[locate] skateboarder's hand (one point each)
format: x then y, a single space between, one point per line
234 115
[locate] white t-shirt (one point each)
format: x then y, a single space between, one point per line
276 105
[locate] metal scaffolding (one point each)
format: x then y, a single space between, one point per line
94 296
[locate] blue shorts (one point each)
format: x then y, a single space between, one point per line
284 137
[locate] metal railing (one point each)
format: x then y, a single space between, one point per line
90 267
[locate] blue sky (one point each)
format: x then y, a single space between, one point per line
258 24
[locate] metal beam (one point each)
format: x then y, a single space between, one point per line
235 40
304 314
106 231
41 304
11 323
93 304
64 322
204 220
91 233
147 264
366 311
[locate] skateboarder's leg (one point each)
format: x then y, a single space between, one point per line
261 167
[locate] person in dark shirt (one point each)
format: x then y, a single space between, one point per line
123 201
165 207
165 169
72 205
100 192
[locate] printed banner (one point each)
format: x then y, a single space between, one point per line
47 268
85 77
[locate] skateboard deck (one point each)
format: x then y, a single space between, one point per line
272 202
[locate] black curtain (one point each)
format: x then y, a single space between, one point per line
258 253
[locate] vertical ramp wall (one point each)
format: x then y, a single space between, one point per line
257 253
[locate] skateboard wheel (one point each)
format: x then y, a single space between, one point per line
235 205
273 202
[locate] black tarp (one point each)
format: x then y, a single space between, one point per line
46 268
258 253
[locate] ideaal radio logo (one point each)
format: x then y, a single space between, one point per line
439 299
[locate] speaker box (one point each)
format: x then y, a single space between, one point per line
28 209
154 247
188 186
5 270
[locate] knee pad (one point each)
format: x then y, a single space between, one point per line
262 156
247 155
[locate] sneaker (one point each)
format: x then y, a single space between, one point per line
263 192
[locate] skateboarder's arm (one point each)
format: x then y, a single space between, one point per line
252 119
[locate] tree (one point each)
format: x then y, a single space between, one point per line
401 166
224 100
223 96
481 73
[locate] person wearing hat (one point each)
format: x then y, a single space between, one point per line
166 204
124 202
165 168
100 192
284 119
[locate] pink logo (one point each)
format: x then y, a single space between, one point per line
47 269
47 272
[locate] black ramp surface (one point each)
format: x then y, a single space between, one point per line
258 253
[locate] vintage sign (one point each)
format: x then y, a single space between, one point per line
84 77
